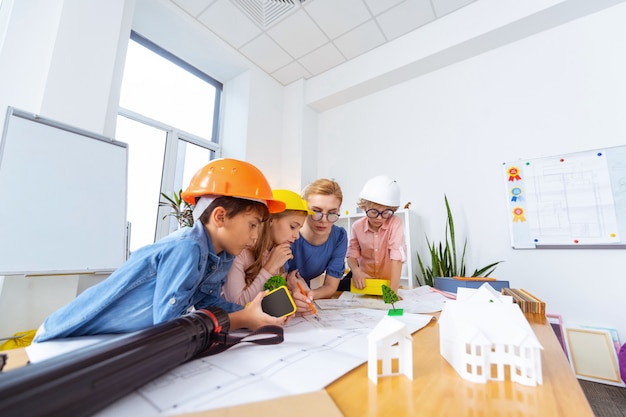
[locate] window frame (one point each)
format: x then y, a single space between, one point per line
174 135
219 87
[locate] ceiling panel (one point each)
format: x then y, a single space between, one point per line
298 34
266 53
360 40
322 59
405 17
222 17
443 7
294 39
338 17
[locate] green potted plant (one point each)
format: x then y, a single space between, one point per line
181 210
444 260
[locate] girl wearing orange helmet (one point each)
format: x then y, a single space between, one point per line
254 266
185 270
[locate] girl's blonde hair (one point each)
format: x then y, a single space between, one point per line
323 186
263 244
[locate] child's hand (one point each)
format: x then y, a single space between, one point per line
252 316
278 256
358 278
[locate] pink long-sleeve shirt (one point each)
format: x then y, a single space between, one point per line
234 289
374 250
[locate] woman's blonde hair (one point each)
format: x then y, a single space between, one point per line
323 186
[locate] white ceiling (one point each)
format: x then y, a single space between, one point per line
293 39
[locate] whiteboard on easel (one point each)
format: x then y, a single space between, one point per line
63 194
575 200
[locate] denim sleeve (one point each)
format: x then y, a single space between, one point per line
217 301
178 278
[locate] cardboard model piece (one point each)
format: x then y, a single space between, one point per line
389 340
483 335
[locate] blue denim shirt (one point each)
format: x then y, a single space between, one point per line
157 283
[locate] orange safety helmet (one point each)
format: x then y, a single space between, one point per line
234 178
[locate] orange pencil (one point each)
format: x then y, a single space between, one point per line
310 304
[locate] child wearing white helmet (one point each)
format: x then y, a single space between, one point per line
377 248
185 270
254 266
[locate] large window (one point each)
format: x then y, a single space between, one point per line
169 113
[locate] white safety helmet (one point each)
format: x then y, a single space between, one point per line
381 190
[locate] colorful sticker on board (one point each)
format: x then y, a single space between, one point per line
514 174
518 214
516 193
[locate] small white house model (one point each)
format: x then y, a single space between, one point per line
484 294
389 340
484 336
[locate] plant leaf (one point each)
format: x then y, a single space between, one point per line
444 260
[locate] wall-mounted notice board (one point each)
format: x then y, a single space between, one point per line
63 198
575 200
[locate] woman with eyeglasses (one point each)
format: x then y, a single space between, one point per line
377 248
321 249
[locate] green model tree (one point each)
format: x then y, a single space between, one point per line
390 297
274 282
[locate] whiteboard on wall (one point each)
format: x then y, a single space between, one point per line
63 191
574 200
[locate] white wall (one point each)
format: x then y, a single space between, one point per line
264 125
449 131
68 69
59 72
446 131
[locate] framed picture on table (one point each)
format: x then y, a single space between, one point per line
592 355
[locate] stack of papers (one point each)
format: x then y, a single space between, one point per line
417 301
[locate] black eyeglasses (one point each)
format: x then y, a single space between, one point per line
331 217
385 214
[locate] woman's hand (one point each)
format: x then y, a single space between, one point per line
300 292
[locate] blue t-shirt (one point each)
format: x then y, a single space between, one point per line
311 261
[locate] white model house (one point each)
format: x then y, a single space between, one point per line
389 340
486 337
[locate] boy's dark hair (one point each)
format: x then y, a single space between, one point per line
234 206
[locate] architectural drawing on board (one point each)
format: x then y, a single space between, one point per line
563 200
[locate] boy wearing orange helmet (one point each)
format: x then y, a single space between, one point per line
185 270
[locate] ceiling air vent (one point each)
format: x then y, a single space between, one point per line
266 12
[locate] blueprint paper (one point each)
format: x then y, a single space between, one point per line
315 352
